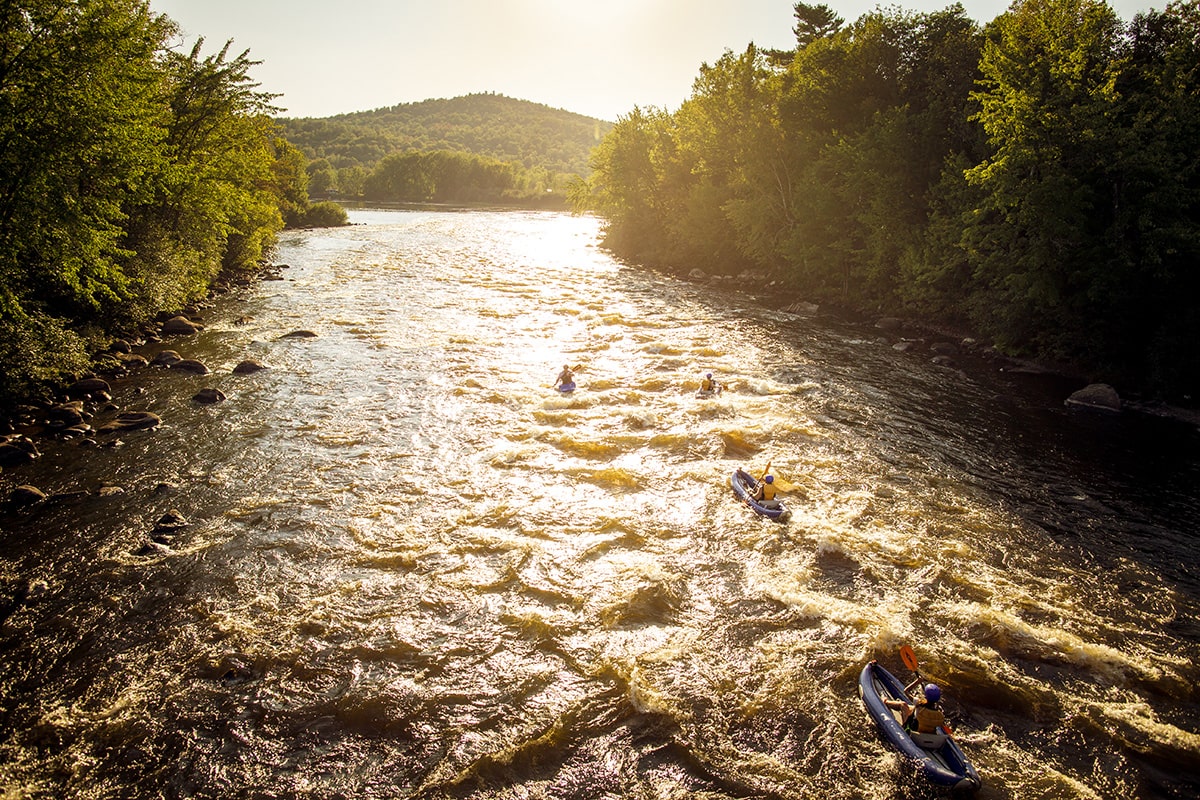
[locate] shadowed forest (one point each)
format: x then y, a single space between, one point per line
1034 179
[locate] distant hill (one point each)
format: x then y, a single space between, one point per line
534 135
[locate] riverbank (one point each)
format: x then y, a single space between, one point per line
81 407
958 347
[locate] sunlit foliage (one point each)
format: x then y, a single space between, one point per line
131 176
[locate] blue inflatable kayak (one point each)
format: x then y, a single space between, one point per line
744 484
936 754
567 387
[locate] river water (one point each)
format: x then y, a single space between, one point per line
413 569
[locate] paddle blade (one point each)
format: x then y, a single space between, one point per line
908 657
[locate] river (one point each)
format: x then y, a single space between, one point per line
414 570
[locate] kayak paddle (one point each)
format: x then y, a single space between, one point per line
909 658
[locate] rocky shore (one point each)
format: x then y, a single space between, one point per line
84 410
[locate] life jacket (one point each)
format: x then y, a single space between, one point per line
768 490
707 385
928 719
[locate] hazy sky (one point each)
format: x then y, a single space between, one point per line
595 57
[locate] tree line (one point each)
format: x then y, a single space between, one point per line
1035 179
132 175
454 177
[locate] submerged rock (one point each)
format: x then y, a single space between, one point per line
170 521
132 421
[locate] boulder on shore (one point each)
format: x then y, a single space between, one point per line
88 386
17 451
131 360
944 348
1098 396
64 415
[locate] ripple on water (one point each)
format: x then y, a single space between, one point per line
415 569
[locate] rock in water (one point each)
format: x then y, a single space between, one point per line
209 396
180 326
248 367
1099 396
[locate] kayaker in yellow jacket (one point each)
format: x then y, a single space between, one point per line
764 493
924 716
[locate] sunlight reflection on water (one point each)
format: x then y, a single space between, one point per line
414 569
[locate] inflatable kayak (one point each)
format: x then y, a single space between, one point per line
936 754
744 485
710 392
567 387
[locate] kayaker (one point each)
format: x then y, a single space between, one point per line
708 384
925 716
566 376
764 493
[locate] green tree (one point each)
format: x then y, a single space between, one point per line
128 192
216 205
814 22
1048 88
623 185
730 134
322 178
72 154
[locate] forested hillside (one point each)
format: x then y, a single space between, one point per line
1036 178
544 147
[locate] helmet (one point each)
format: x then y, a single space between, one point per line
771 479
709 376
932 692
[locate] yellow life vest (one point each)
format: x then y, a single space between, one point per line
768 490
928 719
